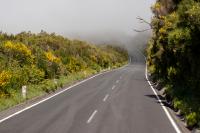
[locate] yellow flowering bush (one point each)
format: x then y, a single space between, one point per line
18 51
156 6
51 57
33 59
168 22
162 30
22 48
4 78
53 66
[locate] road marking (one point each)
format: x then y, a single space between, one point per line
92 116
37 103
164 108
117 81
106 97
113 87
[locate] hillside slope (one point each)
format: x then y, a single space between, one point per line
45 62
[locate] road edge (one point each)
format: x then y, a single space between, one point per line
172 121
55 94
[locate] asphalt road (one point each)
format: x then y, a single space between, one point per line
119 101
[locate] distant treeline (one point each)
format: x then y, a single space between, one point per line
28 58
174 54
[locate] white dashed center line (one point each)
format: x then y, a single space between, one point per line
106 97
92 116
113 87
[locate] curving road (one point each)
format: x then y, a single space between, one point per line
120 101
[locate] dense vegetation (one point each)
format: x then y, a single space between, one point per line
45 62
174 54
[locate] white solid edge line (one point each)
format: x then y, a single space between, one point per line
92 116
106 97
163 107
35 104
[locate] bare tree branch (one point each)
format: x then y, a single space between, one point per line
141 30
141 20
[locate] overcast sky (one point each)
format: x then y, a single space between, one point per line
73 17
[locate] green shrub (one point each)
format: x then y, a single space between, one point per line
191 119
177 104
35 75
49 86
173 53
75 64
178 37
36 59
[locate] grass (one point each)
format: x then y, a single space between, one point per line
45 87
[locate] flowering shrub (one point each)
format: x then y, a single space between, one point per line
18 51
4 78
30 59
18 47
173 54
52 57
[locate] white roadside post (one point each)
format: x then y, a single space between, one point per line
24 91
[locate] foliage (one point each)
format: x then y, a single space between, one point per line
191 119
173 52
46 86
35 75
51 57
18 51
37 59
4 78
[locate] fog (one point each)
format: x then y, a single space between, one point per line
97 21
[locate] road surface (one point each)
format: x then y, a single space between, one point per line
120 101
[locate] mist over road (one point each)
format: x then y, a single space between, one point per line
119 101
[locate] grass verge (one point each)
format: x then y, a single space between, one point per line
45 87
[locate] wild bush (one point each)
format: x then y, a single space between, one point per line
173 53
